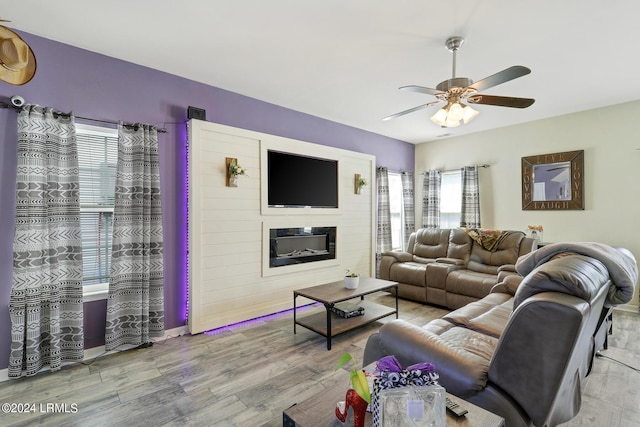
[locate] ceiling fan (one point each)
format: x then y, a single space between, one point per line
458 89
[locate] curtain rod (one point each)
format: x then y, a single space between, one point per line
452 170
111 122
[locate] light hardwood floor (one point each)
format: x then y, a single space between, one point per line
247 375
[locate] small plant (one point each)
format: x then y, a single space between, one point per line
235 169
357 377
350 274
362 182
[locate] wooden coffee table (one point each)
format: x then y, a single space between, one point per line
330 324
319 410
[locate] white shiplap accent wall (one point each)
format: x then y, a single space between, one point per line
228 279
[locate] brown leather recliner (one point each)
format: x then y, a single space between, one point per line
522 351
448 268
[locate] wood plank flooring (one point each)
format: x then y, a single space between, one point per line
247 375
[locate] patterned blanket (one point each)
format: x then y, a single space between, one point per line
488 239
621 264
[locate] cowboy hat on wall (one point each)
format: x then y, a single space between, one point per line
17 62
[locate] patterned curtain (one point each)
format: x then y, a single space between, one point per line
45 305
383 235
408 209
431 199
470 211
135 308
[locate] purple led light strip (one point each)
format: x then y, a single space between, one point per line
259 320
186 226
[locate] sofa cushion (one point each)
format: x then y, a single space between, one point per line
459 244
470 283
431 243
488 315
409 272
464 340
485 261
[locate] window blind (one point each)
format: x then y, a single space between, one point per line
97 160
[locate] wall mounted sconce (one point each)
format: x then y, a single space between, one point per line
234 170
358 183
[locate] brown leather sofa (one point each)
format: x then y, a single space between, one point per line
448 267
523 350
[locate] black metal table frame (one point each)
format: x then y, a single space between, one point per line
329 306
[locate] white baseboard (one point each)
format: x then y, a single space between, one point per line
92 353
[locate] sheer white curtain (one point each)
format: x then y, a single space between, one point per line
45 305
135 308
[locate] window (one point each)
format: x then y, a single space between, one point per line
397 215
451 199
97 159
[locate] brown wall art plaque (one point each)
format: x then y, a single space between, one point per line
553 181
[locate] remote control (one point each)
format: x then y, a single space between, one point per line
456 409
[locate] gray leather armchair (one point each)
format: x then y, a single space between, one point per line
523 350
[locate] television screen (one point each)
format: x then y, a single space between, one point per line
296 181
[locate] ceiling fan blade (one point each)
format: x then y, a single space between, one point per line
501 101
422 89
500 77
410 110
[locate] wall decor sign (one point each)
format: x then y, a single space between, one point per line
553 181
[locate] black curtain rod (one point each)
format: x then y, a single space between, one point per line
13 107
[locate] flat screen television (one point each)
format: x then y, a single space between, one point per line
297 181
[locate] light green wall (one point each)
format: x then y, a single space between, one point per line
610 138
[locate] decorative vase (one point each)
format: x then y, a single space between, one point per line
536 234
351 282
233 180
354 411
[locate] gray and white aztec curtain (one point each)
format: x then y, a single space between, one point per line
383 232
408 207
470 211
431 199
135 308
45 305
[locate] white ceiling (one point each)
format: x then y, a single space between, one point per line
343 60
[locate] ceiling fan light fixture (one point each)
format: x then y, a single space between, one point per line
455 89
440 117
450 115
455 112
451 123
468 114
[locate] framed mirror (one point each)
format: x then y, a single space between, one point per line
553 181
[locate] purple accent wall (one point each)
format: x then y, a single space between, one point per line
101 87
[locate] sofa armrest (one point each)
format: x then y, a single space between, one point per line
399 256
461 372
438 271
508 268
508 285
388 259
